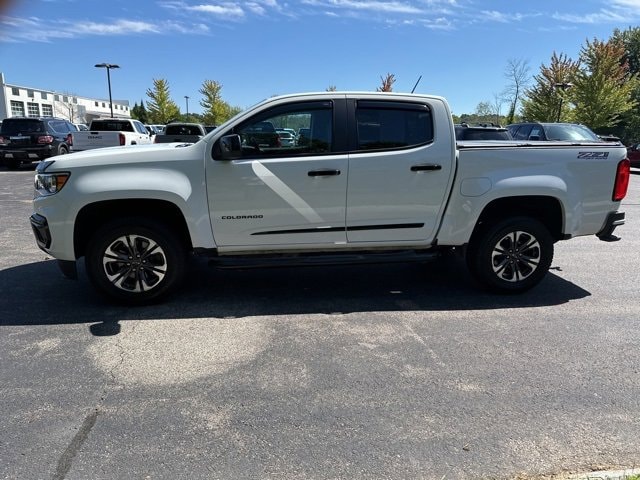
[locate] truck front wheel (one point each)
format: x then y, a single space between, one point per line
511 256
135 261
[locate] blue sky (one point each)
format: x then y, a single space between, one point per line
260 48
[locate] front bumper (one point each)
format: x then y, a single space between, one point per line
41 231
614 219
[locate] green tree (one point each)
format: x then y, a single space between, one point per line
216 110
546 101
604 86
484 109
139 112
161 108
629 127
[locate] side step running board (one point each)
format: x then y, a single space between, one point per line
321 259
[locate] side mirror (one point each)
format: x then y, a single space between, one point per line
534 137
228 147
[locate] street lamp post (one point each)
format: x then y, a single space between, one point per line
186 97
563 86
108 66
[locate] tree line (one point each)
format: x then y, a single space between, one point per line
161 109
599 89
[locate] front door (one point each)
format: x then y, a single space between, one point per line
281 195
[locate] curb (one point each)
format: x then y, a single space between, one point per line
606 475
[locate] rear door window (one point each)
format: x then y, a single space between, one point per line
392 125
59 126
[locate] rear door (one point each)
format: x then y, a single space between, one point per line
400 171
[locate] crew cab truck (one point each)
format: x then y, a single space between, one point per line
381 178
111 132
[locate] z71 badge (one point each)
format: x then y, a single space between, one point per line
594 155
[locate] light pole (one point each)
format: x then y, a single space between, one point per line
563 86
186 97
108 66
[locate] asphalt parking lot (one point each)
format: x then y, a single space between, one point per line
394 371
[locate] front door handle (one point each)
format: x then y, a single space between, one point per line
428 167
323 173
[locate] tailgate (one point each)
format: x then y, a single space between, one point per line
95 139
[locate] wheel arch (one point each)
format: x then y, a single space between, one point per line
94 215
547 210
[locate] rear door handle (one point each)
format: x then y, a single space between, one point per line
429 167
323 173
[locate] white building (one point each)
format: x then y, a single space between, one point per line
19 101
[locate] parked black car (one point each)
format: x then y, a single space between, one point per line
27 140
483 131
565 132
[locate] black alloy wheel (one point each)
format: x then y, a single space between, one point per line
511 256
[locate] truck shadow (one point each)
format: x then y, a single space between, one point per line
36 294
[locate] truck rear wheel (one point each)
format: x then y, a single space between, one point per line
135 261
511 256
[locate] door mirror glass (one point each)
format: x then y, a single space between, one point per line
228 147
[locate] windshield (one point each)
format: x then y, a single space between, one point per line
22 126
569 132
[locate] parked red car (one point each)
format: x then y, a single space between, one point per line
633 153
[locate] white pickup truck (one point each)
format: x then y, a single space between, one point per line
379 178
111 132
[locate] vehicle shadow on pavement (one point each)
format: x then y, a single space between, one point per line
209 293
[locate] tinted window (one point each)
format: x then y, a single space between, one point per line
111 126
576 133
522 133
182 130
21 126
482 134
313 121
140 128
383 125
59 126
536 133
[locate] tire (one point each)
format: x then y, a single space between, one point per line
510 256
135 261
62 150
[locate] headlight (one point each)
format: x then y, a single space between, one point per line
49 183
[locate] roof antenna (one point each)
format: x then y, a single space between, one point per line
414 87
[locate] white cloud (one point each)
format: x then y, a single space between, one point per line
495 16
120 27
366 5
224 9
38 30
604 16
617 11
256 8
635 4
